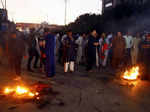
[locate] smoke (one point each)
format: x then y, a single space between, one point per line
138 22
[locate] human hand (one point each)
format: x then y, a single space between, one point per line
96 43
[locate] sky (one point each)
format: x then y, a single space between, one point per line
52 11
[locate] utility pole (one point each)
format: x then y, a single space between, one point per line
47 18
5 5
65 12
2 4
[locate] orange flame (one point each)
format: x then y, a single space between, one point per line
8 91
31 94
20 91
132 74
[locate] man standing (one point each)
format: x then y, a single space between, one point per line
135 49
129 44
32 50
15 50
109 41
92 50
84 49
118 48
50 53
104 42
69 52
43 55
79 42
145 57
57 44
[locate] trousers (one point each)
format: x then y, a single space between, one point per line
68 65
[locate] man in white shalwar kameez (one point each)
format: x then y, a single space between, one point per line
79 42
129 43
135 49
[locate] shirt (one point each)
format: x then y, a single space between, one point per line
109 37
129 41
79 41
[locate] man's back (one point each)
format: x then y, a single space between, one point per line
118 44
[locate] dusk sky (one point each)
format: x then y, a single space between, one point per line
36 11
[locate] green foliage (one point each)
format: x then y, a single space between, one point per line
85 23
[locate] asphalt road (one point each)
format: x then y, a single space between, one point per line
100 91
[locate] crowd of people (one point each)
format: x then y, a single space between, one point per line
91 50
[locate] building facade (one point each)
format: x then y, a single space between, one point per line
108 4
28 26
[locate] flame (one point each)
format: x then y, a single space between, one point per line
36 93
20 91
8 91
38 98
132 74
31 94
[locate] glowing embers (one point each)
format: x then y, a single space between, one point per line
20 92
131 74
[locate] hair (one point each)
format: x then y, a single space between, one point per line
93 30
69 30
46 30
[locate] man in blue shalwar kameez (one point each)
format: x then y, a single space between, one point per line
50 53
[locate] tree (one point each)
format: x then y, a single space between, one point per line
85 23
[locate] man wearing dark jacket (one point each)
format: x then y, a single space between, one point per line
145 57
32 50
15 48
118 49
69 52
92 49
